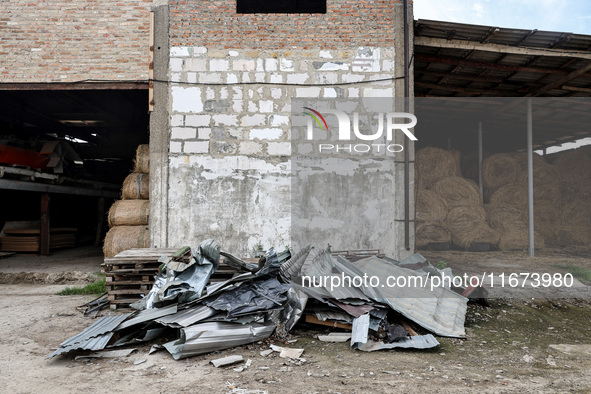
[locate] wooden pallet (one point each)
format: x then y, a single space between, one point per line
130 274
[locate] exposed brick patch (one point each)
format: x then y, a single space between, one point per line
347 23
64 40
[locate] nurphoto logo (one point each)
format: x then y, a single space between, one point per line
402 121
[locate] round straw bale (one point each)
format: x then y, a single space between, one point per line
429 206
480 233
432 164
457 191
469 164
142 159
129 213
512 194
431 232
572 165
465 217
572 191
521 158
136 186
122 238
547 212
549 231
499 170
574 162
518 239
569 235
547 185
577 213
506 217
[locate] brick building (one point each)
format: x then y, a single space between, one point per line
219 126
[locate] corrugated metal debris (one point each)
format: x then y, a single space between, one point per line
94 337
274 295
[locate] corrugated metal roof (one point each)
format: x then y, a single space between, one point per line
94 343
94 337
464 60
101 326
188 316
148 315
440 310
208 337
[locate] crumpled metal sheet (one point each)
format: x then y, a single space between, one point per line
188 284
261 295
427 341
333 315
325 266
292 267
238 263
94 337
183 282
353 310
143 335
95 343
292 310
360 331
440 310
273 262
147 315
204 338
188 316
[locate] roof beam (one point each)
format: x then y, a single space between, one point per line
9 184
556 84
493 66
459 89
576 89
463 77
478 46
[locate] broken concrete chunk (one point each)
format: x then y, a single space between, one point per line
224 361
335 337
285 352
265 353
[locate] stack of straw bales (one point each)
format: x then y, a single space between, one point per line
129 217
505 180
562 200
448 206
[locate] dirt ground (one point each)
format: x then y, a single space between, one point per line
510 347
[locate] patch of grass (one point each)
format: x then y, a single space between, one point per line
441 265
97 287
582 274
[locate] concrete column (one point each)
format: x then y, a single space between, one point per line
530 178
159 127
398 249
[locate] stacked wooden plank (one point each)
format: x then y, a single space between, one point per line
130 274
28 240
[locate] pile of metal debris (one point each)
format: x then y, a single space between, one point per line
271 297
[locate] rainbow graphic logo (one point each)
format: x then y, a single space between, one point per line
315 115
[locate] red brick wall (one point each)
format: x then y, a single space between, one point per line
66 40
347 23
